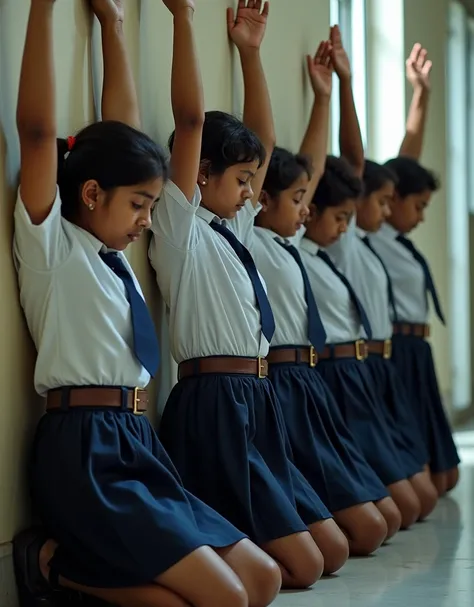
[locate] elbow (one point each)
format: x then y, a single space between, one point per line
189 121
35 132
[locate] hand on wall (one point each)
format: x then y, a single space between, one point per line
247 29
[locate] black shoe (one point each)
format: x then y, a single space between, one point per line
33 589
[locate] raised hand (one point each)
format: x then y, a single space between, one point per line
247 29
320 69
108 10
340 59
418 68
176 5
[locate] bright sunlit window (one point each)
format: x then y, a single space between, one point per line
351 17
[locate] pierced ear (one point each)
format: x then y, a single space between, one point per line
264 200
204 172
91 194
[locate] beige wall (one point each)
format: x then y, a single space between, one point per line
295 29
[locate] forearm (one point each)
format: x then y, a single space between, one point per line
258 115
119 95
315 140
187 97
412 144
36 111
350 137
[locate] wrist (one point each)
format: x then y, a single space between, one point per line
112 26
322 99
249 52
345 79
184 12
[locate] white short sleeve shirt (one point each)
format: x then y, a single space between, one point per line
211 303
76 307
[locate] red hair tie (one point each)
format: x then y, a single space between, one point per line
71 142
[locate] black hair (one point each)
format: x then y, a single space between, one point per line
412 177
226 141
338 184
284 169
376 176
112 153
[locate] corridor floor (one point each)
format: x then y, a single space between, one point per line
431 565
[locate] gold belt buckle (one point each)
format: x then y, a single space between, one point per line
313 357
387 349
360 350
261 367
136 400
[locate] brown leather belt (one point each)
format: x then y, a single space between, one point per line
380 348
413 329
137 399
227 365
309 356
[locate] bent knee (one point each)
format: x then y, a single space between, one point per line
369 534
452 478
232 596
308 568
265 584
428 497
336 554
408 504
440 481
391 515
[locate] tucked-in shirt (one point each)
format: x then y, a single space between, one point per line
285 288
407 276
76 307
340 318
367 277
211 303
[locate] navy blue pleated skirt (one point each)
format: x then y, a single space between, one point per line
413 358
226 437
401 420
352 386
108 493
322 446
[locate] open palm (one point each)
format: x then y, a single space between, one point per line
247 29
340 59
108 9
320 69
418 67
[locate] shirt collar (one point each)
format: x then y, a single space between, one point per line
309 246
95 242
270 234
388 231
361 233
208 216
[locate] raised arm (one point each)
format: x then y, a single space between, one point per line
187 99
315 140
247 31
418 69
36 114
119 95
350 138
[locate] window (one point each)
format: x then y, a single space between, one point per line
351 17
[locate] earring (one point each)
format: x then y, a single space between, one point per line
203 182
91 207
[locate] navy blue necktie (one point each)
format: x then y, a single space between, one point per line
355 300
266 315
391 295
316 332
429 282
145 342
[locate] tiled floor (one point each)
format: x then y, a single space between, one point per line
432 565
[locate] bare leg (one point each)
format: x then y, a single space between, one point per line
364 527
452 478
391 514
258 572
300 560
202 574
425 491
333 545
407 502
440 481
